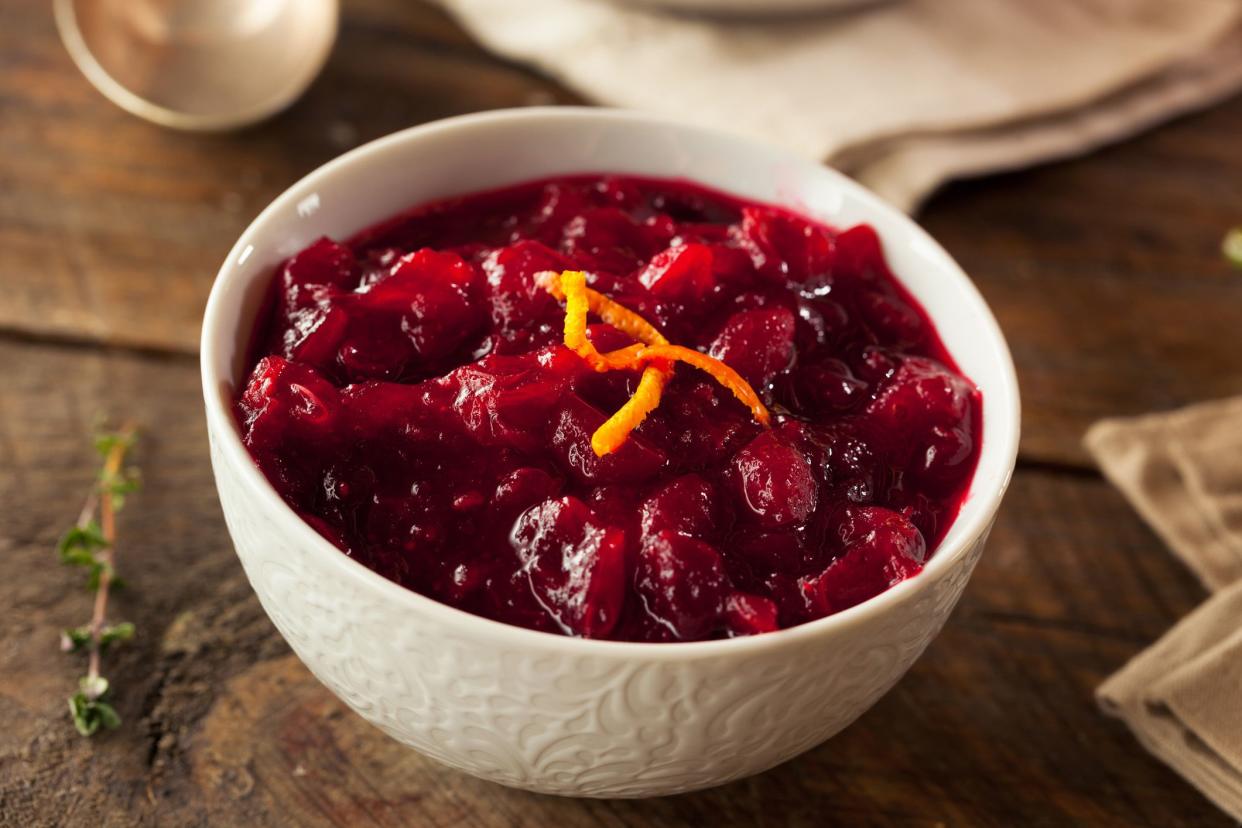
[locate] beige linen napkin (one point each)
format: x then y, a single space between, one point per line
1182 696
903 96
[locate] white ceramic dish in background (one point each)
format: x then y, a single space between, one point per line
757 9
551 713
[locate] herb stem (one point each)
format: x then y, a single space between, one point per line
88 509
107 522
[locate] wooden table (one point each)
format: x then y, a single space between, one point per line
1104 272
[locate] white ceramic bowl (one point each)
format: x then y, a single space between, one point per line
551 713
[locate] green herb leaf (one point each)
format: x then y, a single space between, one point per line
117 632
91 714
106 441
107 715
1232 247
94 577
78 546
79 707
121 482
74 639
118 485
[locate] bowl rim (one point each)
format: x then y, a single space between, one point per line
997 457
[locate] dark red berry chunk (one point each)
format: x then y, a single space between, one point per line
635 461
783 247
686 505
881 548
575 566
773 482
750 614
323 265
758 344
682 583
683 273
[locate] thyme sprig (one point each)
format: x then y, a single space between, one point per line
91 545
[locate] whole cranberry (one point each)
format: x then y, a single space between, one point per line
430 297
523 487
924 410
682 584
747 614
922 392
634 461
945 459
757 343
323 264
881 548
515 297
287 408
784 247
826 386
686 505
576 566
882 529
502 401
859 256
895 321
682 273
772 481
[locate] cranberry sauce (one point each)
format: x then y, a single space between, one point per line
411 399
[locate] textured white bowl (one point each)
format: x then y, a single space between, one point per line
545 712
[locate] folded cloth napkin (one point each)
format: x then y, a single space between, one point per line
903 96
1182 696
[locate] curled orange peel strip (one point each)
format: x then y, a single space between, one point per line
571 287
718 371
616 429
653 353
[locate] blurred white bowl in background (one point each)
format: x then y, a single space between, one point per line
199 64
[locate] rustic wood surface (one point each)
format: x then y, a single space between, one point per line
1104 272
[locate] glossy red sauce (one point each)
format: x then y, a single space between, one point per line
411 400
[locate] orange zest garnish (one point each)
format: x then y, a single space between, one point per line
718 371
571 287
653 353
616 429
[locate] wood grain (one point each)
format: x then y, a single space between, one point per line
111 229
994 726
